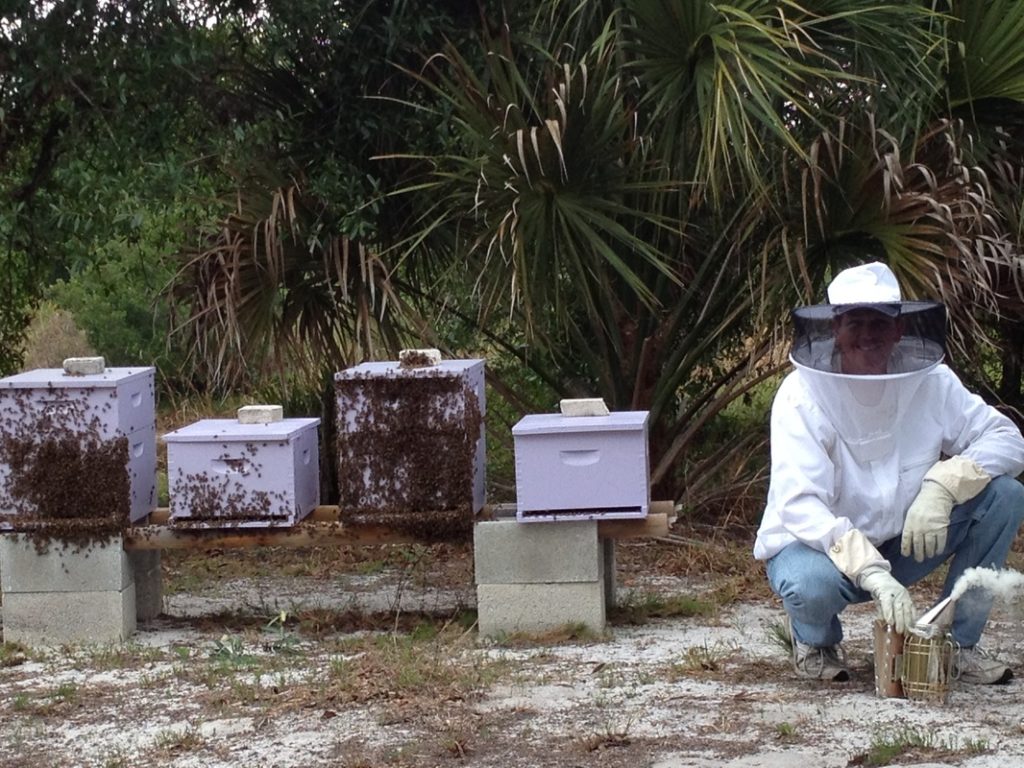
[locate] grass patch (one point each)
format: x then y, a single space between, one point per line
701 659
13 655
124 656
779 636
172 741
639 608
907 744
610 735
571 632
414 669
786 732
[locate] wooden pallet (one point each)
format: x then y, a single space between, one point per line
323 527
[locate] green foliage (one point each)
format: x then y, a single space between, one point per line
889 745
114 302
619 198
53 336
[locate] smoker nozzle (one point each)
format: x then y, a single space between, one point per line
936 619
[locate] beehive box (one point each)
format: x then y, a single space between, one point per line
77 446
410 442
225 473
582 467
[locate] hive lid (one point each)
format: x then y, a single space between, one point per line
551 423
56 378
231 430
392 369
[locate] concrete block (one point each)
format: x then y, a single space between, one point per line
507 608
508 552
55 618
149 583
61 568
583 406
419 358
260 414
84 366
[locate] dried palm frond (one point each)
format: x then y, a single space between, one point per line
268 294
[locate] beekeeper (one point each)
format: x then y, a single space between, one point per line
883 467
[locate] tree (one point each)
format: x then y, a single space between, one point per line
295 278
99 128
646 206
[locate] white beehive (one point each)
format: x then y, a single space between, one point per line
228 473
411 439
54 423
582 467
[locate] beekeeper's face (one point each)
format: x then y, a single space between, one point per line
864 339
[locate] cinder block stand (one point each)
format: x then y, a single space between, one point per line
536 577
68 594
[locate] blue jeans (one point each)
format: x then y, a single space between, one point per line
814 592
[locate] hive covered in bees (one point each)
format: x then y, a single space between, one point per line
582 467
77 447
410 444
233 473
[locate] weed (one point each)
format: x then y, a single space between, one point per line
639 608
609 678
701 658
573 632
779 636
785 731
122 656
230 653
147 681
611 735
66 693
117 758
179 739
284 641
975 746
13 654
890 744
455 737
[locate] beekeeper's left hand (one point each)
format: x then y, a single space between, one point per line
946 484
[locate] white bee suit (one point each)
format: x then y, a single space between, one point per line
883 467
851 451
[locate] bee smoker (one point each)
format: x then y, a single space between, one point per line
919 664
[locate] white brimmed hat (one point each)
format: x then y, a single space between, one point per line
869 286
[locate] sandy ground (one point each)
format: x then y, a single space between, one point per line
218 680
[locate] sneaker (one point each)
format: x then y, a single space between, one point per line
978 667
827 663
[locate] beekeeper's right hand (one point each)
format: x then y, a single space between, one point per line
893 601
861 562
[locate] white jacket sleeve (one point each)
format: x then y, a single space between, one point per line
974 429
803 474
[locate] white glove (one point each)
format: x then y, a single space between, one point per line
924 532
947 483
892 600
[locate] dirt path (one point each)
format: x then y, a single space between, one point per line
223 679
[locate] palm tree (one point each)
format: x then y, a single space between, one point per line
646 207
630 194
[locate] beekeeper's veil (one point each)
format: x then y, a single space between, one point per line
865 409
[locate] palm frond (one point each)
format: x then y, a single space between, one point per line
267 296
